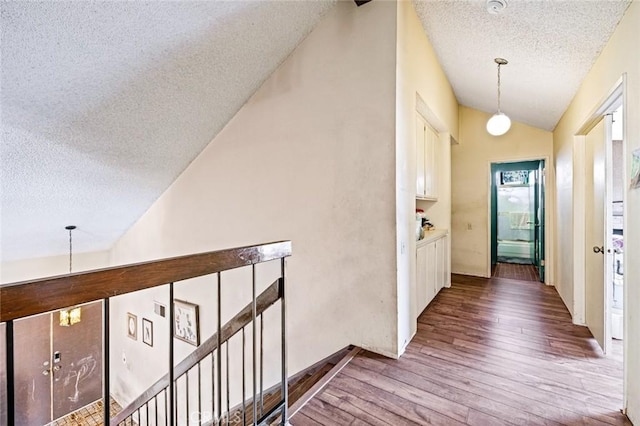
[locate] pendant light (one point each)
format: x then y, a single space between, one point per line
70 316
499 123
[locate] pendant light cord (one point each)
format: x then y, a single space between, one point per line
70 251
499 88
70 228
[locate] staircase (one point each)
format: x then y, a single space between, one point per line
202 387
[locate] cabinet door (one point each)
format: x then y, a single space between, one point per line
446 275
431 164
421 279
420 156
440 260
431 271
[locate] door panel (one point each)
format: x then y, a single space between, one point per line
31 337
539 220
78 381
595 300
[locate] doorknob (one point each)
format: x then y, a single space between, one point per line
597 249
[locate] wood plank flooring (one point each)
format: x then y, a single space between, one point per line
516 271
487 352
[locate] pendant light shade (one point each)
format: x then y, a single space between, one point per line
499 123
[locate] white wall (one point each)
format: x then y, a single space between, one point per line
470 180
310 158
29 269
620 56
418 73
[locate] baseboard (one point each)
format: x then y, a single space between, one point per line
317 388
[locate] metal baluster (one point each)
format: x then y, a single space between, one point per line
219 367
186 384
199 395
244 385
166 404
171 378
285 396
253 324
261 367
155 406
147 415
213 388
106 392
228 409
11 409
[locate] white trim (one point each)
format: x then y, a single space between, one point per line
615 97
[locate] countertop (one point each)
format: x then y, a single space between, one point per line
432 235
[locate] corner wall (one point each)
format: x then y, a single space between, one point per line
470 180
418 73
620 56
310 158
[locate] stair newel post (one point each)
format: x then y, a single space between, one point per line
285 391
106 392
11 408
253 345
172 316
219 350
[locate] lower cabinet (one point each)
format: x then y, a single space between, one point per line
432 271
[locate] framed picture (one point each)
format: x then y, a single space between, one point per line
635 170
185 322
132 326
147 331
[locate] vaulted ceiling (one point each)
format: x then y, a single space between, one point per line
105 103
550 46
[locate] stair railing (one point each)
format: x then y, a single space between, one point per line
24 299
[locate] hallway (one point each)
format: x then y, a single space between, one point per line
487 352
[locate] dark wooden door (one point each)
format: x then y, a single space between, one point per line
32 358
77 361
58 369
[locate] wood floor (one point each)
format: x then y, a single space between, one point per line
487 352
516 271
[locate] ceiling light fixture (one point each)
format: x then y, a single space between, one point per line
499 123
70 316
495 7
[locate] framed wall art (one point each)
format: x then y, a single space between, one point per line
185 322
132 326
147 331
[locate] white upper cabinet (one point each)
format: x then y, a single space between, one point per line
427 141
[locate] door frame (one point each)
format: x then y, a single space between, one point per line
614 98
549 207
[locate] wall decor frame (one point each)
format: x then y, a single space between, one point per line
132 326
186 325
635 169
147 332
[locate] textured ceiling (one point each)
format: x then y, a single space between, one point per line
550 46
105 103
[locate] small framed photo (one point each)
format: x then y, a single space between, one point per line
147 331
185 322
132 326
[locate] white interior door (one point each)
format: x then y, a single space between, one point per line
596 292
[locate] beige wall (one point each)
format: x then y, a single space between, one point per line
620 56
28 269
418 73
470 181
310 158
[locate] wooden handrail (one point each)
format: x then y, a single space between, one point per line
26 298
267 298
